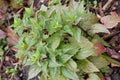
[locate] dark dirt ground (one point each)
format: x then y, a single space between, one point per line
10 60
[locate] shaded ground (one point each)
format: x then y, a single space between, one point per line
9 61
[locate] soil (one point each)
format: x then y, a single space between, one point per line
9 61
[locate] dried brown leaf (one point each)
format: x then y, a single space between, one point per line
110 21
2 34
12 37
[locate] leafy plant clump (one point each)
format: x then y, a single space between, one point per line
60 42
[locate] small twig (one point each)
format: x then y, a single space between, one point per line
107 5
18 12
101 10
111 35
78 25
92 8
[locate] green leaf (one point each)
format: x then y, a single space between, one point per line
76 34
85 41
55 41
80 44
87 66
34 71
111 60
97 28
68 18
65 57
52 59
77 20
68 29
81 8
88 20
57 25
99 61
84 53
28 12
72 64
55 73
93 76
44 68
97 37
69 74
53 64
42 77
67 47
62 77
17 22
55 1
43 8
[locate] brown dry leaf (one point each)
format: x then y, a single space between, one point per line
4 5
2 14
7 58
115 56
12 37
29 2
18 63
110 21
14 49
2 34
15 4
114 65
114 13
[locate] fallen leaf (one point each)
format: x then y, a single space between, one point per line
12 38
3 5
110 21
2 14
114 65
7 58
16 4
2 34
107 78
114 13
111 51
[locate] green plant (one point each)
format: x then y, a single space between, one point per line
105 70
13 71
60 42
0 77
3 43
91 3
20 2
